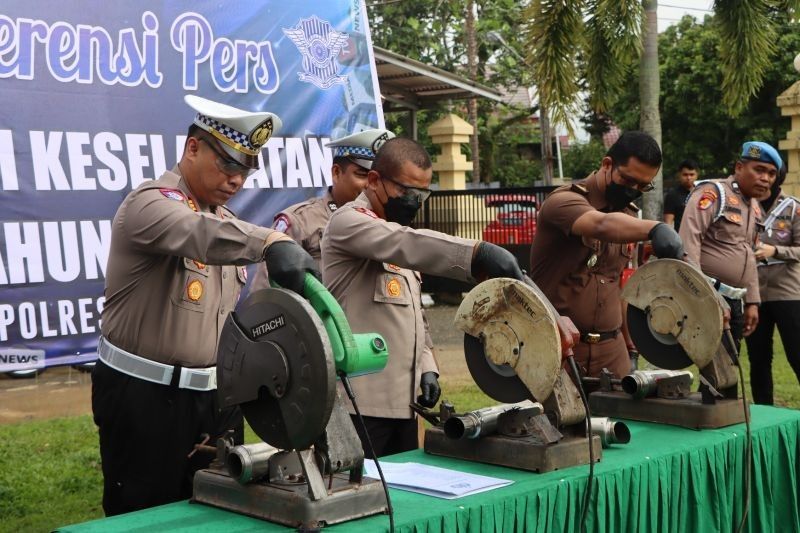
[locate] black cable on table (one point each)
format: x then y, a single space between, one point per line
588 494
350 394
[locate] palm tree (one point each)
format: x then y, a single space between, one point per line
598 40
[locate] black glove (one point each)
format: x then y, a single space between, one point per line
633 353
666 242
492 261
430 389
288 263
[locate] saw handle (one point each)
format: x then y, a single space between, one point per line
353 354
569 335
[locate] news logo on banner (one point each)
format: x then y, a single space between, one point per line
13 359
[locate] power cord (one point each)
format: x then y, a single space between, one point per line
588 494
350 394
748 445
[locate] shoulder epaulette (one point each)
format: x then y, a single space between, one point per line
229 210
578 188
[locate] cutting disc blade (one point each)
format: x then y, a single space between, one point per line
512 344
660 351
677 314
496 381
288 327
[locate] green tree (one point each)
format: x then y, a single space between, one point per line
609 34
434 32
695 121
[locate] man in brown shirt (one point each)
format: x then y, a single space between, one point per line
719 231
175 270
585 236
371 261
778 256
304 222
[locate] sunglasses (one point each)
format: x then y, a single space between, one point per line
633 184
227 165
418 193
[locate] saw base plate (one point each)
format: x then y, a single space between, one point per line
687 412
522 453
290 504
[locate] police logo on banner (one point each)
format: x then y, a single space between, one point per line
320 44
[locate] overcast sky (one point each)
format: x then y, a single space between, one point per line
671 11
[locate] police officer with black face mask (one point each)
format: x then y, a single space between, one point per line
586 235
371 261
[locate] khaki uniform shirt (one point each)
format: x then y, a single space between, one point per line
779 278
175 270
579 275
304 223
369 264
723 248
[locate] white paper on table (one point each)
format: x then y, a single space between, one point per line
432 480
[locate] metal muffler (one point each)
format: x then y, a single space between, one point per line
482 422
249 462
644 383
610 431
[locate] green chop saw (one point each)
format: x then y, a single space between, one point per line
278 359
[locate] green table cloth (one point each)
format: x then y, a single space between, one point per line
667 479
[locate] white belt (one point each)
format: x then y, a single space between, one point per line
200 379
734 293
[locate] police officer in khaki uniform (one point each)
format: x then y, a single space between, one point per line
719 231
352 158
778 257
584 239
175 270
370 263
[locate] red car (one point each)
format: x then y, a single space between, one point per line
516 219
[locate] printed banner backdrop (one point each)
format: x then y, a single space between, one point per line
91 105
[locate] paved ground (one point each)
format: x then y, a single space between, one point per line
64 391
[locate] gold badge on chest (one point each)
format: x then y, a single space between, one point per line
194 290
393 288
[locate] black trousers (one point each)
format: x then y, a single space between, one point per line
737 320
785 315
388 435
147 432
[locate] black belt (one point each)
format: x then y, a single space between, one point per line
594 338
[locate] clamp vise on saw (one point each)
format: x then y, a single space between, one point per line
278 359
514 345
676 319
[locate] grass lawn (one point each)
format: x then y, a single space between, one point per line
50 470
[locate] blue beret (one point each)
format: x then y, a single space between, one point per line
758 151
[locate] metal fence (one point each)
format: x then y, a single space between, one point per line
506 217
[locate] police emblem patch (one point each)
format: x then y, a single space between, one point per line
198 264
706 200
194 290
261 133
393 288
754 151
173 194
366 211
320 45
380 141
281 223
735 218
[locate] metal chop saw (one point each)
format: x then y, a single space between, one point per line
513 343
675 318
278 360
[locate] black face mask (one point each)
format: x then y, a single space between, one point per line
401 209
618 196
